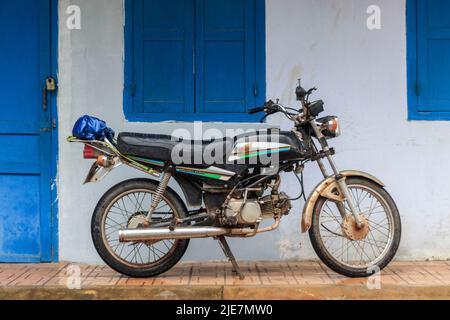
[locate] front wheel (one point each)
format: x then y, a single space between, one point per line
125 206
353 251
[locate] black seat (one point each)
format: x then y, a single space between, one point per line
161 147
151 146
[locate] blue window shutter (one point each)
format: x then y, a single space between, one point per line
163 56
433 55
225 56
194 60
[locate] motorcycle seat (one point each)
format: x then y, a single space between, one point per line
161 147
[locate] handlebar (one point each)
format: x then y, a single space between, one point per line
271 108
257 110
268 107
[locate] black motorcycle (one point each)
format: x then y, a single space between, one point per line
142 228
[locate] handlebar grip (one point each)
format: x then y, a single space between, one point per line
257 110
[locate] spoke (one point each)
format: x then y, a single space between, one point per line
132 250
116 223
141 203
136 206
375 241
110 233
343 249
121 251
164 242
366 241
372 245
372 211
154 253
365 197
139 252
378 225
362 251
329 242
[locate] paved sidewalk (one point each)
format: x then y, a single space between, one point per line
264 280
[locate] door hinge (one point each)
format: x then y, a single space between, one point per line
255 90
133 90
417 88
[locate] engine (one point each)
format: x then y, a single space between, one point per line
241 212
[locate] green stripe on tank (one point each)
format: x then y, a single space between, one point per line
206 175
154 162
256 154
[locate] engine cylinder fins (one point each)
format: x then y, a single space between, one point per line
274 205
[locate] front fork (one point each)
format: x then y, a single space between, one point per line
341 181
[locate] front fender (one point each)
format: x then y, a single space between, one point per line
323 190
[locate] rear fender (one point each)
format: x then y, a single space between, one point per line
97 173
192 193
325 189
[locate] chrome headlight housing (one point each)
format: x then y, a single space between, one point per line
330 126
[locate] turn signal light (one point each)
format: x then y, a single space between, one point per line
331 127
104 161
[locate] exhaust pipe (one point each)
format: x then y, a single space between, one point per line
181 233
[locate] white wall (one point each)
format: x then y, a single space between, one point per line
361 75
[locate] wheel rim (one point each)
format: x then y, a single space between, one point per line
118 216
371 250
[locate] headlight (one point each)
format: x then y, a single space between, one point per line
331 127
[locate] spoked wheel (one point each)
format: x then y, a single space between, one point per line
125 206
353 251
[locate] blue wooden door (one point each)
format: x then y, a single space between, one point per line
433 54
25 137
225 46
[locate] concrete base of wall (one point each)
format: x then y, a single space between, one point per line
230 293
215 281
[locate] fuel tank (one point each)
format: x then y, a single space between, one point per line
255 150
267 148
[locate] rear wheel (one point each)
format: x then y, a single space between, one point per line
125 206
353 251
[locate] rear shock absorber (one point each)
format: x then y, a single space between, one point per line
162 187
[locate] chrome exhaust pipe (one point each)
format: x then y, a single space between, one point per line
180 233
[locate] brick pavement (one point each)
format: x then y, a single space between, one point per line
214 280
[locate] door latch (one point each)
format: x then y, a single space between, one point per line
50 86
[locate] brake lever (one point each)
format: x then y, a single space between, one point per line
312 90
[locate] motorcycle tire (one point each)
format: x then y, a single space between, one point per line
319 244
104 249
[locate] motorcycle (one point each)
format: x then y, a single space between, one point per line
142 228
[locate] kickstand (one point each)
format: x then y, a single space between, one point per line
226 249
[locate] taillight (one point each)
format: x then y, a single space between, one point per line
89 152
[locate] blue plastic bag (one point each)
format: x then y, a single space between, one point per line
90 128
